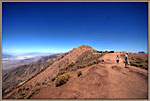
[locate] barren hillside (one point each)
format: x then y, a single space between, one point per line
83 73
12 77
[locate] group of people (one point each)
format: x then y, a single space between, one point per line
126 60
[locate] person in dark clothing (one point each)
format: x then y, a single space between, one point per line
117 59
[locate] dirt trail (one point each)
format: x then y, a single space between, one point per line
125 82
104 80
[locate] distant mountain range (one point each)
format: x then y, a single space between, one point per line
13 76
7 56
38 53
11 61
10 55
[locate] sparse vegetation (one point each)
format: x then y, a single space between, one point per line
138 60
30 95
53 79
27 88
27 92
37 84
44 82
60 73
74 61
17 75
33 90
21 95
62 79
93 62
102 60
87 58
79 73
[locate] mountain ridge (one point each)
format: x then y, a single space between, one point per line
98 78
64 62
14 76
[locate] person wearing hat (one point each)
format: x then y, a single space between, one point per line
126 60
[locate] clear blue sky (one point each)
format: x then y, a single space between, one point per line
59 27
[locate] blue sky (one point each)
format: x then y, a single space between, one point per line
59 27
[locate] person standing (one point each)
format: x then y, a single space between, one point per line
126 60
117 59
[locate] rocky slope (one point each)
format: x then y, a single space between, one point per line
11 78
83 73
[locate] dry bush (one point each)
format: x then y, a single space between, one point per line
27 88
34 90
62 79
53 79
37 84
79 73
44 82
139 60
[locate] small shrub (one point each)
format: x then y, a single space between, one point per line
134 64
62 72
48 84
62 79
78 67
30 95
44 83
35 89
71 69
19 90
95 62
53 79
139 60
22 94
49 78
37 84
27 88
89 64
92 63
79 73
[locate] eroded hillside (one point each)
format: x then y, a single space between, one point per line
12 78
83 73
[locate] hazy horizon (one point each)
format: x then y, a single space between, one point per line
54 27
34 52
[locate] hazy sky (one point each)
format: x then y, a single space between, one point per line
59 27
